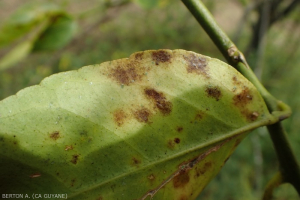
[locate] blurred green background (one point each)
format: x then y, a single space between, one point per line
112 29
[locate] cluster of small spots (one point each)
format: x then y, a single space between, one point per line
142 115
181 179
241 100
173 142
160 56
196 64
75 158
55 135
164 106
214 92
119 117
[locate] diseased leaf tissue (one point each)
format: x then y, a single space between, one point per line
159 124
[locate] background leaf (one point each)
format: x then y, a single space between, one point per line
124 128
57 34
25 19
17 53
35 26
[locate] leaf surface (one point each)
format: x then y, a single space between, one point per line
159 124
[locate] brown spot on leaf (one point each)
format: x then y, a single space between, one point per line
135 161
124 75
68 147
73 182
160 56
203 169
253 116
199 115
164 106
100 198
139 56
179 129
183 197
119 117
249 115
128 71
55 135
214 92
151 177
181 179
243 98
177 140
171 144
75 159
236 81
142 115
196 64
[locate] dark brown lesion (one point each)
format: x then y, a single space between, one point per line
164 106
243 98
142 115
119 117
135 161
55 135
161 56
201 170
179 129
125 74
74 159
249 115
177 140
214 92
196 64
139 56
181 179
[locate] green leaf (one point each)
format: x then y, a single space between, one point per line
16 54
57 34
160 124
